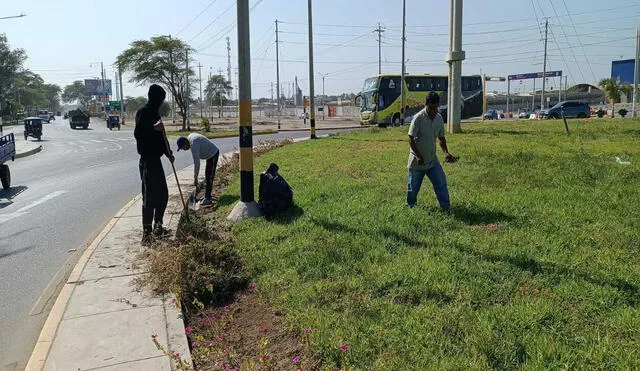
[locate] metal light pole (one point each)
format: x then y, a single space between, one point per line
455 57
247 207
122 116
312 106
635 75
544 64
403 98
278 73
323 95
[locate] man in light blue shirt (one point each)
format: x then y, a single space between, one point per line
202 149
427 126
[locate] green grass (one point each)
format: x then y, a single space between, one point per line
536 267
217 133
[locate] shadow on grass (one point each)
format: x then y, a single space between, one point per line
368 140
227 200
288 217
478 216
629 291
499 131
386 232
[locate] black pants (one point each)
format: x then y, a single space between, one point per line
209 173
155 194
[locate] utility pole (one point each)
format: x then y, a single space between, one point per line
403 98
247 206
635 76
484 95
103 77
200 79
455 57
210 102
188 98
229 67
122 117
379 30
533 99
312 106
544 64
278 73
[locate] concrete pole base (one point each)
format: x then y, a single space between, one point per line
244 210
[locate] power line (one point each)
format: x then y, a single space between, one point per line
570 49
196 17
213 21
579 41
226 30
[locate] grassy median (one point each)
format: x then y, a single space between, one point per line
536 266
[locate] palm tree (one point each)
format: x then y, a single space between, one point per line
613 89
217 90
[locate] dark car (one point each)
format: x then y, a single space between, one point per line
568 109
491 115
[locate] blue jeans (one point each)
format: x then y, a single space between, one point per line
438 180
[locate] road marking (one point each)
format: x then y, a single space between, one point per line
71 143
83 142
124 139
96 141
24 210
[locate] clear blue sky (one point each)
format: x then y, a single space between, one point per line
63 38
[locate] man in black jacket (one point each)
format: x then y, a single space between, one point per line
152 144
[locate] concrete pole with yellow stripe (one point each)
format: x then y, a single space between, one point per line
247 206
312 108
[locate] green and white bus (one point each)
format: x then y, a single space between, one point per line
380 99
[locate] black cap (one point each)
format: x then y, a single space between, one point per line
432 98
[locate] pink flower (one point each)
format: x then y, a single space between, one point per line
295 360
264 357
173 300
265 330
154 337
308 330
344 347
188 330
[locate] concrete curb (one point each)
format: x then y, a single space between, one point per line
29 152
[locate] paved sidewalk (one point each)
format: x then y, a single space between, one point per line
26 148
99 320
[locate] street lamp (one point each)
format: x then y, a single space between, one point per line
323 96
14 16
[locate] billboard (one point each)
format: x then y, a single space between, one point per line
623 70
534 75
94 87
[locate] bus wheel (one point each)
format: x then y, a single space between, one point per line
396 120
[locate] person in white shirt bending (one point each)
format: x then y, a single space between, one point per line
202 149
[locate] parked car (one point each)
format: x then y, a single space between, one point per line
524 113
491 115
570 109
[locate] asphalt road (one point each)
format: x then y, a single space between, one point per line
59 200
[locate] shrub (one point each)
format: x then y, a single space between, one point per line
600 113
205 124
623 112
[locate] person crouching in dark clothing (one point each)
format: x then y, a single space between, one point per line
151 144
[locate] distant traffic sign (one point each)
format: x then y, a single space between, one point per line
534 75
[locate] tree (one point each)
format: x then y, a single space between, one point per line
52 92
613 90
161 60
10 65
30 91
74 93
216 90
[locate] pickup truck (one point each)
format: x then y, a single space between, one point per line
77 118
7 151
